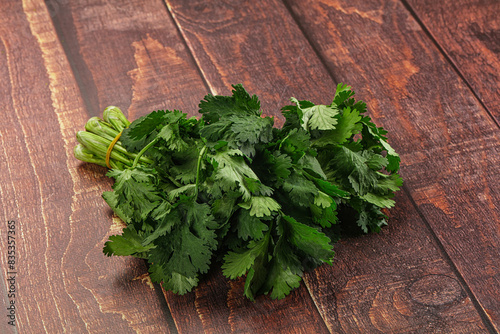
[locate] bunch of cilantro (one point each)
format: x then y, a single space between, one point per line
231 187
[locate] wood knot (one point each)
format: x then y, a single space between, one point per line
435 290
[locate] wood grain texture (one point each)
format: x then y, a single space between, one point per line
94 53
5 300
250 43
159 78
129 55
232 42
210 31
220 307
397 281
448 143
469 33
64 283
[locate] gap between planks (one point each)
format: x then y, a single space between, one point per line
326 68
448 58
89 104
484 317
213 91
199 68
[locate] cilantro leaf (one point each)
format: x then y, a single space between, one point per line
180 255
214 108
375 137
320 117
348 125
267 202
237 264
301 190
249 226
128 243
309 240
342 94
135 194
173 141
141 131
352 168
179 283
182 165
232 172
281 280
260 206
173 281
278 166
241 129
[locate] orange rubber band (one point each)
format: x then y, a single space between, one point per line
110 148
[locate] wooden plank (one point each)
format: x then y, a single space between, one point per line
220 307
235 42
469 33
129 55
207 28
396 281
147 76
7 293
63 282
448 142
222 36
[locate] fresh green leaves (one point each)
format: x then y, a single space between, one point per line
134 195
235 120
129 243
311 117
269 203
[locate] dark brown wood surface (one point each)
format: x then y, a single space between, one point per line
468 33
64 284
448 141
427 71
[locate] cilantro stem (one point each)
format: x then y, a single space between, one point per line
198 170
141 152
171 179
282 141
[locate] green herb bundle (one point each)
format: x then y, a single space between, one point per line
231 187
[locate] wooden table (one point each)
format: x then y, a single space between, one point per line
428 70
